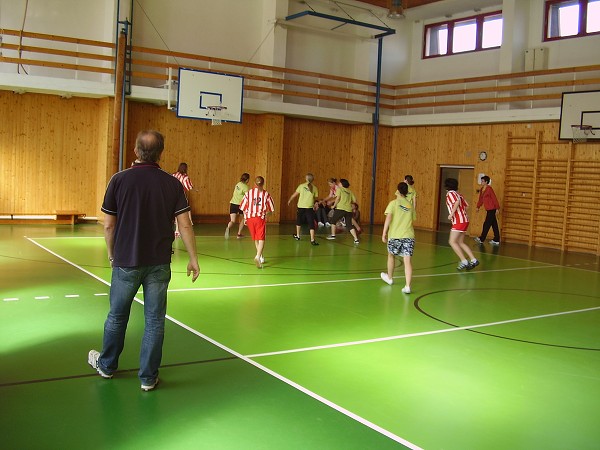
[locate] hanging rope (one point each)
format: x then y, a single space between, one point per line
19 66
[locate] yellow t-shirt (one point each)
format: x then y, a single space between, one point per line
346 198
307 198
401 226
238 193
412 194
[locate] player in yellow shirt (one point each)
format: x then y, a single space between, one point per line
234 205
399 235
307 194
342 207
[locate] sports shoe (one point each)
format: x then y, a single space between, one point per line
406 290
331 237
93 356
463 265
258 262
321 224
149 387
493 242
327 224
472 264
262 259
314 243
239 236
479 241
386 278
356 241
295 236
227 233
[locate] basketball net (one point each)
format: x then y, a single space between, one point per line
214 112
581 133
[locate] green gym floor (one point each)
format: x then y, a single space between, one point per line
312 352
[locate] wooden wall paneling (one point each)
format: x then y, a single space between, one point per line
387 176
270 158
323 148
361 148
104 171
51 144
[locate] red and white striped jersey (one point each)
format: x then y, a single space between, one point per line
257 203
460 216
184 179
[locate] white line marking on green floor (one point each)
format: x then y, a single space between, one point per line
422 333
10 299
291 383
101 294
351 280
42 297
72 296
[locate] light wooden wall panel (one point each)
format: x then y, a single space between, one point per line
216 155
49 153
327 150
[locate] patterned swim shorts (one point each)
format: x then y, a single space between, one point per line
401 247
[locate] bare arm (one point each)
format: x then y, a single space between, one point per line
386 227
454 208
109 235
294 195
189 240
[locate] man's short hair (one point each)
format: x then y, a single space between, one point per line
486 179
150 145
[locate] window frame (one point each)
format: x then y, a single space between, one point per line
583 8
450 24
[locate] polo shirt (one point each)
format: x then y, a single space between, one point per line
307 197
145 200
401 226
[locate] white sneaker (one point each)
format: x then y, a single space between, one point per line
493 242
227 233
93 356
356 241
149 387
258 262
327 224
331 237
386 278
406 290
262 259
321 224
479 241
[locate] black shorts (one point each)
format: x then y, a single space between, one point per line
347 215
306 216
234 209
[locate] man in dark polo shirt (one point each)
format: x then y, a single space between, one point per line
139 206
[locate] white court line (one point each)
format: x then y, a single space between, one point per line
101 294
351 280
423 333
10 299
280 377
72 296
42 297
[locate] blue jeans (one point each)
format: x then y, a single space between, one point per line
124 285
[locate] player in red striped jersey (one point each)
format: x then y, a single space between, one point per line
457 209
256 205
185 181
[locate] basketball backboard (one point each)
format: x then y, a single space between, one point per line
202 93
580 108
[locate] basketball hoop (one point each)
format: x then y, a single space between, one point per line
581 133
214 112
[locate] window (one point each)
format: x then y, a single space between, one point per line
470 34
571 18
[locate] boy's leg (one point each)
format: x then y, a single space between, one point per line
454 243
495 227
391 265
465 247
487 223
260 245
408 270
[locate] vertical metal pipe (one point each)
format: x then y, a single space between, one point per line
118 107
376 131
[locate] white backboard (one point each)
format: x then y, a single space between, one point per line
199 91
580 108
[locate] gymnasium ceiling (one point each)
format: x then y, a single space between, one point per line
425 9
